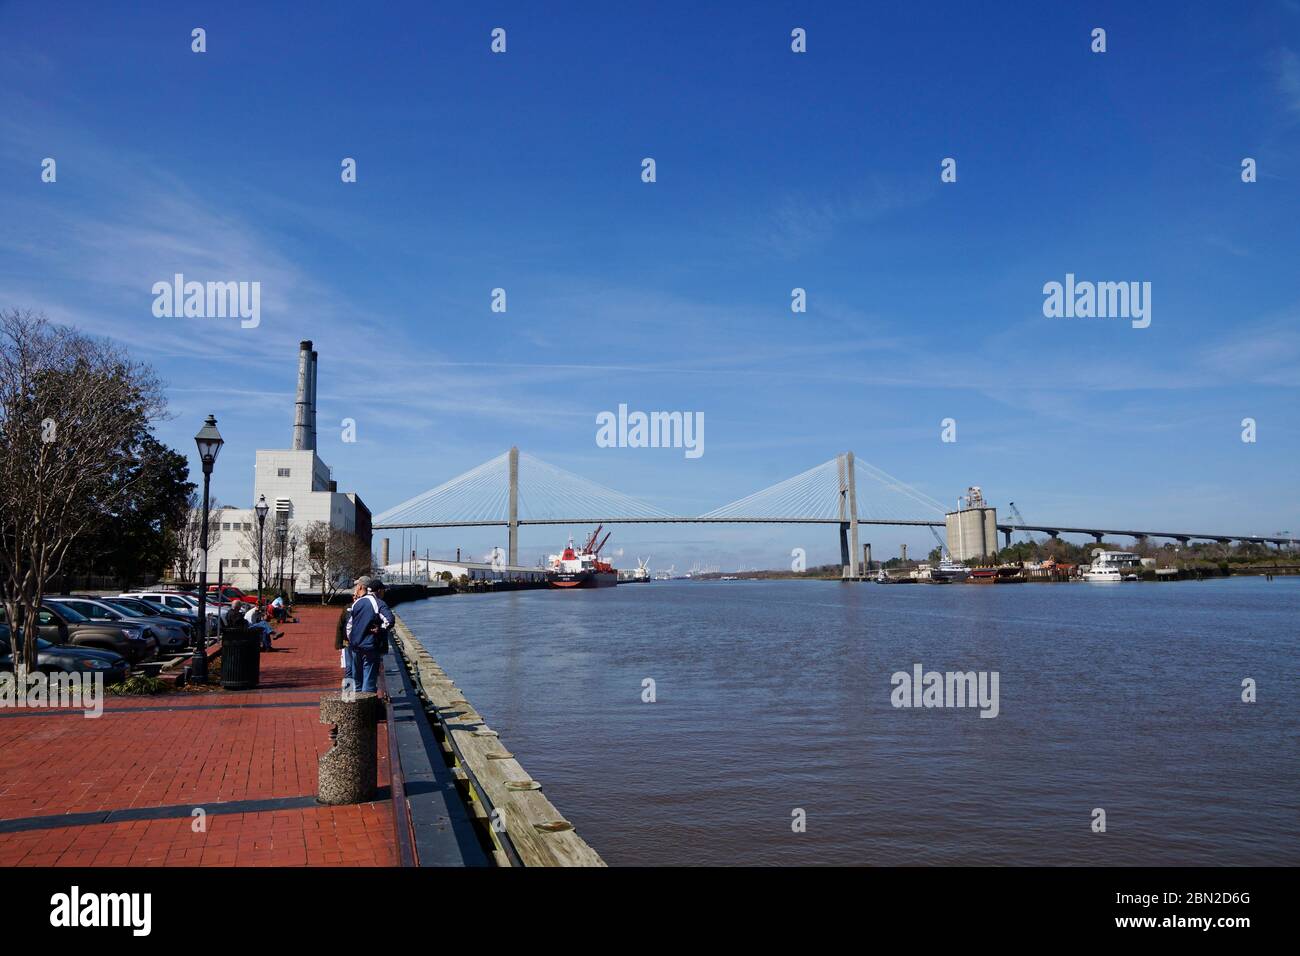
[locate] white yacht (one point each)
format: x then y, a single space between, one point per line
1112 566
950 571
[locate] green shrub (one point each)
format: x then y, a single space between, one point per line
138 685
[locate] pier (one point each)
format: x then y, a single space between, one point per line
211 777
204 777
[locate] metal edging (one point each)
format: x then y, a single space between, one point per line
441 826
407 854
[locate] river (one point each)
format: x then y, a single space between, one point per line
774 704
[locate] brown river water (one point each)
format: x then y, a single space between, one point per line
774 702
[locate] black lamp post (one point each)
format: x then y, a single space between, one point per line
281 535
209 442
261 510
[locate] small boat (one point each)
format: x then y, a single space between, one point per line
1102 574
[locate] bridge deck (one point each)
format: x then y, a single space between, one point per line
899 523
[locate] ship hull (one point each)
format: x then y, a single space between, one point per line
583 579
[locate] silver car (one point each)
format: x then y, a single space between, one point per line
173 636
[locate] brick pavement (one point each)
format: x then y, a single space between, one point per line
67 782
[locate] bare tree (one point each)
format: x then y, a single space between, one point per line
282 540
187 536
334 557
74 413
248 547
275 559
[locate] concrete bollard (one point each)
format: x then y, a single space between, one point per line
347 770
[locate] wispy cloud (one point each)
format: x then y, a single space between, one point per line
1286 70
801 221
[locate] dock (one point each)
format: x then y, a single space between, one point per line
200 777
211 777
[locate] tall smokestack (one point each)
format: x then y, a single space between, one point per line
311 414
302 401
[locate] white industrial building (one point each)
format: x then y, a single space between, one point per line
431 569
298 490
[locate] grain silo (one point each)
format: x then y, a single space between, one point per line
973 528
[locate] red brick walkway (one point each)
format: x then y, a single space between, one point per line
184 751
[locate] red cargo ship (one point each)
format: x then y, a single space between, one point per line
582 567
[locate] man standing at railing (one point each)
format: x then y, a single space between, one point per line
344 630
385 613
369 625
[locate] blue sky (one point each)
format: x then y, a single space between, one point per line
775 170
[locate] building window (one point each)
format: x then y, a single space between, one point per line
282 472
225 526
245 562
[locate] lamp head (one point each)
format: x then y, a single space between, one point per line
209 442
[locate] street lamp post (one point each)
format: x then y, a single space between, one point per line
209 443
261 510
281 535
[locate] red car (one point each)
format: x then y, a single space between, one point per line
230 593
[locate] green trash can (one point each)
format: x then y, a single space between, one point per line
241 658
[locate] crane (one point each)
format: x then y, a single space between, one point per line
591 545
1020 520
943 548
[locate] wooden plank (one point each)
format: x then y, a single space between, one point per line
538 832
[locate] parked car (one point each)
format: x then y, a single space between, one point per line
173 636
189 618
177 601
51 659
65 626
228 593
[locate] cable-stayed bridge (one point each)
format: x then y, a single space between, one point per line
517 489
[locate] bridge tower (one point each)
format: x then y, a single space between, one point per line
514 506
848 517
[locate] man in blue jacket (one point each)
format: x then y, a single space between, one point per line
370 625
